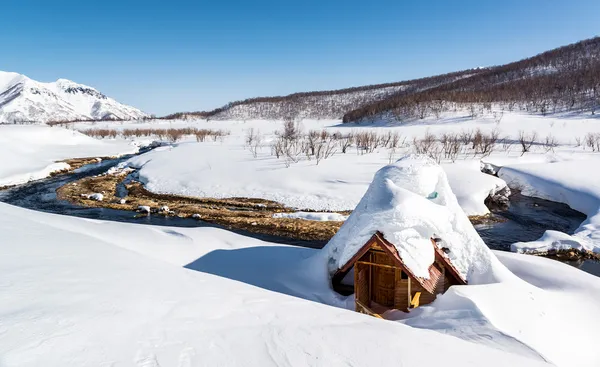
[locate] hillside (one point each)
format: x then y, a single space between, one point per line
563 79
25 100
331 104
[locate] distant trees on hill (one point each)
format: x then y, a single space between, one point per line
563 79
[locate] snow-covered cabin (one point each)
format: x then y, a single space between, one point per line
406 242
382 281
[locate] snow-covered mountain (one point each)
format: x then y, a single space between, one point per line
25 100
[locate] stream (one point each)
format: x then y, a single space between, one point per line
525 220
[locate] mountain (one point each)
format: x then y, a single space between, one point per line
563 79
25 100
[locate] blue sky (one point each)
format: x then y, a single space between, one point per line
168 56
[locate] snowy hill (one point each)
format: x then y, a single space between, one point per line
25 100
332 104
566 79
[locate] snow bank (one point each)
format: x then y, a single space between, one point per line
410 202
575 183
471 186
91 293
30 152
334 217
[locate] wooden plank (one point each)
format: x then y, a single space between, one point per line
378 265
367 310
356 288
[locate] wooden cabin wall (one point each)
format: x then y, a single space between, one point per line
361 284
402 293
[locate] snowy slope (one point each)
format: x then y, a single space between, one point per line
70 295
30 152
25 100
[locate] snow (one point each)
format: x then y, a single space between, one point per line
471 186
227 169
207 296
25 100
96 196
573 182
410 202
144 208
90 293
31 152
316 216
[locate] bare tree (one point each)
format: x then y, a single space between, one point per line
526 141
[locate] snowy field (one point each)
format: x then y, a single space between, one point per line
88 293
229 169
30 152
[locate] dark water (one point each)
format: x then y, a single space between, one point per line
41 195
526 220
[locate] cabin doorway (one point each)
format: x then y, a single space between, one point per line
380 285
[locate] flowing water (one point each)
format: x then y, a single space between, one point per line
525 220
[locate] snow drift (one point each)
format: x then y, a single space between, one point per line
410 202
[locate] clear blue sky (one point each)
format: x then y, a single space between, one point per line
168 56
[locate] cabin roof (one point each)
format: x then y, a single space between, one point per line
434 273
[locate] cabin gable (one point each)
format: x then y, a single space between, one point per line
383 282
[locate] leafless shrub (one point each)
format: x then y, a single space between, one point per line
473 110
488 142
366 141
578 141
312 139
291 130
507 143
394 141
325 148
255 142
593 141
527 141
425 145
391 154
174 135
466 137
498 116
450 146
550 143
100 133
345 141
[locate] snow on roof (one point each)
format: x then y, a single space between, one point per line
410 202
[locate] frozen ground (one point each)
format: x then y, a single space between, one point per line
87 293
29 152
